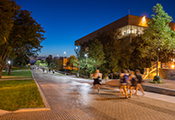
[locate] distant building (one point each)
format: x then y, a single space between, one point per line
65 60
33 60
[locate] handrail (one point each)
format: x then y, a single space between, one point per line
151 69
149 73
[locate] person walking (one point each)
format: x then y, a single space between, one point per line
43 70
139 82
133 83
53 71
124 77
97 77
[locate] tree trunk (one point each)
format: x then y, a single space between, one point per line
1 73
9 69
1 69
157 72
78 72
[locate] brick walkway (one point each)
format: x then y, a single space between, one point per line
75 99
169 84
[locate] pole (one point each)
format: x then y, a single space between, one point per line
86 67
157 73
9 62
65 65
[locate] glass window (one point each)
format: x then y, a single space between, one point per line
131 29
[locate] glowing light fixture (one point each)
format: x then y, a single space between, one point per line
143 22
172 66
143 19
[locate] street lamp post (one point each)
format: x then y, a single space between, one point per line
65 62
58 61
77 49
9 64
86 64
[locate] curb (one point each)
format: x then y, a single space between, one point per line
159 90
47 107
16 79
42 94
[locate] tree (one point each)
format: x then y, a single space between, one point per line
56 61
49 59
41 62
159 36
70 60
96 54
8 10
38 62
21 60
136 59
24 37
79 61
111 48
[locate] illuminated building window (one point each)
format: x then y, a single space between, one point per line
131 29
124 33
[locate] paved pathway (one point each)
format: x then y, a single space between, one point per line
75 99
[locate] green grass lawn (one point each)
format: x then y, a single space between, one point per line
18 94
60 74
21 72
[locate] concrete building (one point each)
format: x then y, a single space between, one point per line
128 25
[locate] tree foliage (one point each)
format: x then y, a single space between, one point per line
8 10
21 33
49 59
21 60
70 60
95 54
111 48
159 36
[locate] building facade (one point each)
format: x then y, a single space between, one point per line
128 25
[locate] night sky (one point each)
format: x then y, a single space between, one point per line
65 21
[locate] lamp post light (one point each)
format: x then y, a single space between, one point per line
77 50
9 64
65 62
58 61
86 64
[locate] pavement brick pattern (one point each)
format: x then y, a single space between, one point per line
74 100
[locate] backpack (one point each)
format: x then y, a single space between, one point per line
99 79
125 78
140 79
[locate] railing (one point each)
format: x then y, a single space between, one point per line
150 70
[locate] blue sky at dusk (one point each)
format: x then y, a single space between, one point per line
65 21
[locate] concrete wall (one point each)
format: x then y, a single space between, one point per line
167 74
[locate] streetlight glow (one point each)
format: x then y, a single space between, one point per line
9 62
143 22
86 64
65 62
143 19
